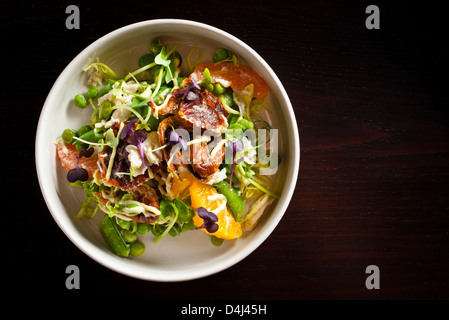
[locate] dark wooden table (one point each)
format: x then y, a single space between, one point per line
372 110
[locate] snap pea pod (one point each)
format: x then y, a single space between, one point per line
83 129
105 89
91 136
234 200
113 237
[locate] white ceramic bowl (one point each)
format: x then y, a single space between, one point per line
190 255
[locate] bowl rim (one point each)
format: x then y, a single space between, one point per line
121 266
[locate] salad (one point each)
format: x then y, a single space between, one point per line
175 146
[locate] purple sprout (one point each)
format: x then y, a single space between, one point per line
77 173
210 220
191 96
188 94
87 153
128 129
134 137
235 146
195 84
174 138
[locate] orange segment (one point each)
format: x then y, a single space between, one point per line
228 228
179 185
67 156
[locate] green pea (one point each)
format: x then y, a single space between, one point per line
106 110
137 248
156 230
129 236
210 87
216 241
143 228
80 101
146 59
236 126
234 200
92 92
246 124
218 89
124 224
156 46
67 135
221 54
227 98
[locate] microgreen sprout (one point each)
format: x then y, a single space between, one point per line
174 139
128 129
235 146
163 60
136 138
210 220
77 173
110 139
187 92
87 153
191 96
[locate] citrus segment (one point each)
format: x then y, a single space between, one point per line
67 154
206 196
179 184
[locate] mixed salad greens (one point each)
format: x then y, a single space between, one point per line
169 151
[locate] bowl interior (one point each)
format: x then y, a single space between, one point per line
190 255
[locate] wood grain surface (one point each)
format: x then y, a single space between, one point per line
372 111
